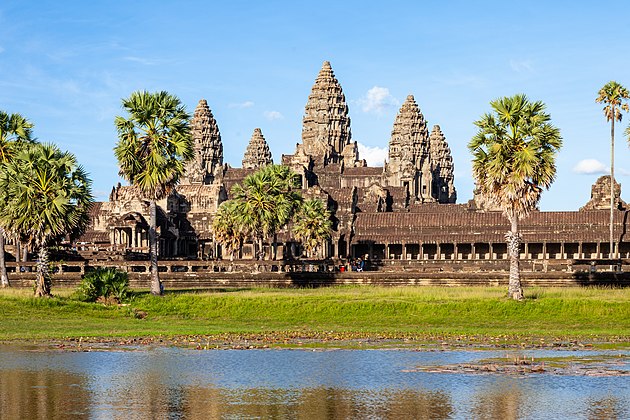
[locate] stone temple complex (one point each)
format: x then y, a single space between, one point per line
404 210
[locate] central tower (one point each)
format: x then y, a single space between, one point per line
326 125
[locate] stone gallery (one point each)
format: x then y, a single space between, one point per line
404 210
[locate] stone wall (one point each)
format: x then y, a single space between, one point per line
195 274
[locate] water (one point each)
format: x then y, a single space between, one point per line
172 383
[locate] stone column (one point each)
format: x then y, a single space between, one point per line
404 251
562 256
544 250
599 249
580 255
473 252
491 251
455 251
438 251
526 249
387 251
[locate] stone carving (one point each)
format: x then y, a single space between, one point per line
326 125
208 161
257 153
600 195
443 187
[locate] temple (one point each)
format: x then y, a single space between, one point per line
404 210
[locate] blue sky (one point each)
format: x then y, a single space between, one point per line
66 65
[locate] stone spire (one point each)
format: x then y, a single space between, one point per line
257 154
208 159
409 163
600 195
326 125
442 163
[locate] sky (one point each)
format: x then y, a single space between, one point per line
66 65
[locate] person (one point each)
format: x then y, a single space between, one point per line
360 264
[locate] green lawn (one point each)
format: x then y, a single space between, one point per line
423 313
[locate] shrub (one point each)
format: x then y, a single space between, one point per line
110 284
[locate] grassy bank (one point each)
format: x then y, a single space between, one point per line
424 313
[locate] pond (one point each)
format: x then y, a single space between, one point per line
174 383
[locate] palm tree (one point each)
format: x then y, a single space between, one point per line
226 227
614 96
513 160
15 130
154 145
285 187
312 225
266 202
48 198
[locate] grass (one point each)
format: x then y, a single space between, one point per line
426 313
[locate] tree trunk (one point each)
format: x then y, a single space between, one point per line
275 246
611 251
156 285
43 283
18 252
4 278
513 239
261 249
25 258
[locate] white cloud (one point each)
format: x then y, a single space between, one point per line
591 167
521 66
273 115
242 105
141 60
377 99
375 156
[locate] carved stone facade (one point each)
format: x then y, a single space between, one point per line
409 158
257 154
403 210
443 178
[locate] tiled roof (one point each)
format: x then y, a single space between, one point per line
341 195
95 208
363 171
470 227
94 237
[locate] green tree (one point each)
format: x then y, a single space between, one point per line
266 202
615 97
48 198
154 145
227 228
15 131
312 225
513 161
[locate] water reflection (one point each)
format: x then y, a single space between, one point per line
333 403
609 408
177 383
43 394
499 401
151 400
